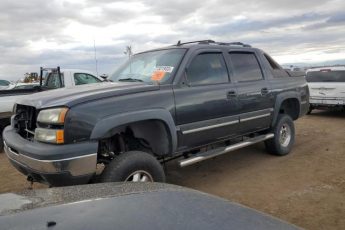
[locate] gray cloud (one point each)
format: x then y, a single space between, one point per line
241 26
280 27
335 20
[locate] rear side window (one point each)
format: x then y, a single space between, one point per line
207 68
271 62
84 78
276 70
326 76
245 67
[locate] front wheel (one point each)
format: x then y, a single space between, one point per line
133 166
1 142
284 136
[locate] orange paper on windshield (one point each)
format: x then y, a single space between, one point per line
157 75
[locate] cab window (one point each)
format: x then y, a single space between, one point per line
84 78
326 75
276 70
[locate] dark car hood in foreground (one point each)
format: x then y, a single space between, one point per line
132 206
83 93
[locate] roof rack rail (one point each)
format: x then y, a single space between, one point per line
233 44
200 42
179 43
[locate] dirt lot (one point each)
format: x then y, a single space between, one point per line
306 188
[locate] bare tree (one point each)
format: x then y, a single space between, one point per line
129 53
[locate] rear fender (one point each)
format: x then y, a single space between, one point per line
280 99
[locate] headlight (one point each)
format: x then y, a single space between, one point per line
55 136
52 116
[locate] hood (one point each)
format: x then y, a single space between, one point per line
76 95
114 205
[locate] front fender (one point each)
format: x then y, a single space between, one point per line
106 127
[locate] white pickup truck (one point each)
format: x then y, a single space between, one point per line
54 79
327 87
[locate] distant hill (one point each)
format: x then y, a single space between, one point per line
305 64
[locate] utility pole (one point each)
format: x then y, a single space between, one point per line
96 62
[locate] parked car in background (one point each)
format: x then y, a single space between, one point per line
54 79
327 87
25 85
4 84
70 78
194 100
128 206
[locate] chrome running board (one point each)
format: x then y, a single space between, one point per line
222 150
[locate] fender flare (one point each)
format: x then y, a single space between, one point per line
107 126
279 100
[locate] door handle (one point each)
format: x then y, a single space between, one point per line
264 91
231 94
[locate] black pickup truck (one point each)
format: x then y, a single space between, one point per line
194 100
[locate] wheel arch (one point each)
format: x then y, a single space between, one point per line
287 103
156 122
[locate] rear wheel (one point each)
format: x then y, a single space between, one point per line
133 166
284 136
1 144
1 141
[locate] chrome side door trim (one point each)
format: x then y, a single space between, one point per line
194 130
255 117
209 127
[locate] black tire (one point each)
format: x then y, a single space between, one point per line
1 142
128 163
275 146
310 110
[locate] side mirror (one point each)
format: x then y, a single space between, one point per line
104 77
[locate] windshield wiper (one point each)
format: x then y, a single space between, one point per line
131 79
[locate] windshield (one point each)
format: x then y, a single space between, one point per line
150 66
326 76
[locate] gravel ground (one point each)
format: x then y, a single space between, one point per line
306 188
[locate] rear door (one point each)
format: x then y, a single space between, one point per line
254 92
206 105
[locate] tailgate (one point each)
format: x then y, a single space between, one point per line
327 90
327 83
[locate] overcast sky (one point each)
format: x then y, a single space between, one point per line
36 33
